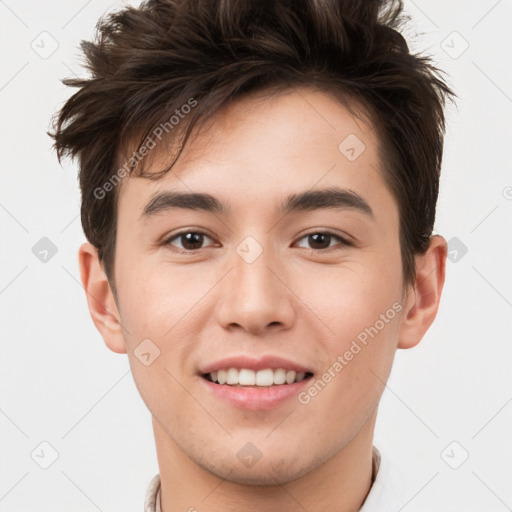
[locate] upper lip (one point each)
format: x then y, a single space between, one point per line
254 363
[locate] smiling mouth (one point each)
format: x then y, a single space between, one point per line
246 378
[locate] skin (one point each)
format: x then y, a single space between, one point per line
300 301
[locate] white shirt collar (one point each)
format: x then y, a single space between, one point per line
386 492
152 501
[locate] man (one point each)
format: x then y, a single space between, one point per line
259 182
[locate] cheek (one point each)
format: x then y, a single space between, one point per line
156 299
362 311
350 298
160 387
159 310
359 309
162 311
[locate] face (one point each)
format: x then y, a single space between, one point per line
263 277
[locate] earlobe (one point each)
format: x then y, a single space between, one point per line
100 299
423 297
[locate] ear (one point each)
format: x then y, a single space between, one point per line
102 307
423 296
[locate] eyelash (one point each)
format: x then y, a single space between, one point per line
167 242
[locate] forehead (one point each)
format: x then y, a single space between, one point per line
265 146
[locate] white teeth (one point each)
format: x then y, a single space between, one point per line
290 376
232 376
263 378
222 376
279 376
246 378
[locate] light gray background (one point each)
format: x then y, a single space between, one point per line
61 385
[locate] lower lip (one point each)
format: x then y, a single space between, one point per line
255 398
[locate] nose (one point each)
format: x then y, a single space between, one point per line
255 296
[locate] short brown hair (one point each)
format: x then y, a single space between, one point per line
147 62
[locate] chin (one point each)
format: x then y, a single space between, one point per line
262 477
267 472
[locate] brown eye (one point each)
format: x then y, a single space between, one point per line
322 240
189 240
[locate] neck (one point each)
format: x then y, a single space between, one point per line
340 484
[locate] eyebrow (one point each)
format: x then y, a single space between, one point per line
330 198
334 197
